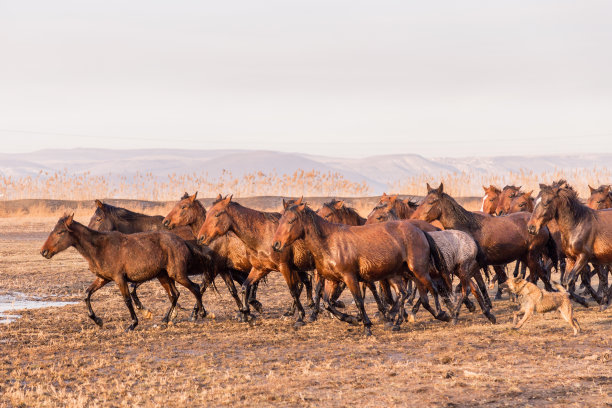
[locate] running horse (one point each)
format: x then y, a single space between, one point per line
367 253
586 234
501 239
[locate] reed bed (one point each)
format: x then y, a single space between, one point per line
147 186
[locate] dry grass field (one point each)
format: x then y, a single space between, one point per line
58 357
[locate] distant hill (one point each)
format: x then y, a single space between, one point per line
379 172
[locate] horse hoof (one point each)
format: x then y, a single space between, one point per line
256 305
367 332
98 321
396 328
130 328
298 324
174 314
491 318
411 318
444 316
338 304
251 320
603 307
311 318
498 296
289 313
454 321
203 313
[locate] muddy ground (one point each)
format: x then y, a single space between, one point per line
58 357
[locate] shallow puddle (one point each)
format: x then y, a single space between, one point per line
16 301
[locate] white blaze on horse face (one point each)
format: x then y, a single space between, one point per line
538 201
483 201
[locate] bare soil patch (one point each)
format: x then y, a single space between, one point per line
58 357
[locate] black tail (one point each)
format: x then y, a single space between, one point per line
551 251
205 261
439 264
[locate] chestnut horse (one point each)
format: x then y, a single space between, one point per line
600 198
230 254
123 258
501 239
255 229
459 250
505 198
586 234
363 254
490 199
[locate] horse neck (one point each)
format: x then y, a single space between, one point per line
403 210
251 226
316 232
196 225
355 219
140 223
86 240
449 221
566 218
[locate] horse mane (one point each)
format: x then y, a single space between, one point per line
309 212
264 215
459 213
513 187
570 197
345 209
122 213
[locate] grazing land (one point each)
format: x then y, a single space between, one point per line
58 357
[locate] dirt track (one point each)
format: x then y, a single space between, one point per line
53 357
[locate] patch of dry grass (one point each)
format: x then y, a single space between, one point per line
58 357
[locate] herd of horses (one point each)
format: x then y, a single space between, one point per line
402 252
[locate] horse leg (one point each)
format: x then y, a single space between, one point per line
535 269
125 292
607 299
231 287
574 267
486 310
145 312
586 281
97 284
483 289
317 300
382 309
602 275
500 273
292 280
517 265
331 307
252 298
385 291
306 280
173 294
401 300
339 288
194 288
353 285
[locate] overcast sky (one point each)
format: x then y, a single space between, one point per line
342 78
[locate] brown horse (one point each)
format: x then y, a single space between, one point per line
255 229
123 258
490 200
586 234
230 256
403 208
363 254
501 239
522 202
505 198
108 218
600 198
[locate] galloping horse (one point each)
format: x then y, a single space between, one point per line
229 252
505 198
363 254
586 234
255 229
501 239
600 198
490 200
123 258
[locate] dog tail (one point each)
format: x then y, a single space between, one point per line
557 286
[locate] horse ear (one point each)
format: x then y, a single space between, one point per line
441 188
227 199
193 197
429 189
592 189
528 194
99 204
392 199
543 186
68 221
186 195
338 205
485 189
219 197
285 205
384 194
606 190
299 201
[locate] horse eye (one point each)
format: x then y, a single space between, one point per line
328 215
380 217
99 219
219 214
521 204
292 221
600 201
61 232
491 200
184 207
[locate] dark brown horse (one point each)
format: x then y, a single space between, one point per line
362 254
490 200
600 198
403 208
108 218
586 234
522 202
255 229
123 258
230 257
501 239
505 198
338 212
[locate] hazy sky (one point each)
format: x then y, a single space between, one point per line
348 78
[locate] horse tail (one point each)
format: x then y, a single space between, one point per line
552 252
206 261
439 263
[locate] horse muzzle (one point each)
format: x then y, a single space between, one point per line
277 247
46 253
166 223
532 229
203 240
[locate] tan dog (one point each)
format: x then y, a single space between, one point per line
534 299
